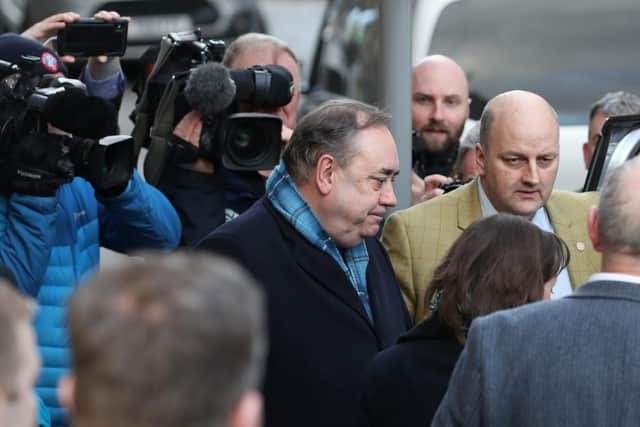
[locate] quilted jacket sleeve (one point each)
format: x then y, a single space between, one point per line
139 218
27 233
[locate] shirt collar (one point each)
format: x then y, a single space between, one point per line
615 277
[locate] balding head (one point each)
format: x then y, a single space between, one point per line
519 111
440 101
618 221
518 152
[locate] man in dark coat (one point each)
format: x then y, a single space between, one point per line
333 300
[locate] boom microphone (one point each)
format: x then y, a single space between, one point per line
210 89
81 115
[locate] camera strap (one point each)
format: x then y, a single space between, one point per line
262 85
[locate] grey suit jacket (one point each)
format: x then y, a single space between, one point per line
569 362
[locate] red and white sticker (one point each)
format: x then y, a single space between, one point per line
50 62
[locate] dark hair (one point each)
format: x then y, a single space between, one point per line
172 340
329 129
499 262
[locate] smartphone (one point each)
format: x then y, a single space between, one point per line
93 37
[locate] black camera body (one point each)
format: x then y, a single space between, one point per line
230 137
453 185
31 102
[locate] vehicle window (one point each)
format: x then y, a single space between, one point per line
569 54
348 62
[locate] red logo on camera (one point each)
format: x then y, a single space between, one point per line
50 62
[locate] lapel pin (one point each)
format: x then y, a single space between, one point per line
580 246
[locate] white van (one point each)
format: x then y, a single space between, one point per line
571 53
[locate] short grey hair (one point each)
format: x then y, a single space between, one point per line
468 143
188 326
616 104
255 41
329 129
618 219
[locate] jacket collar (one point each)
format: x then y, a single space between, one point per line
605 289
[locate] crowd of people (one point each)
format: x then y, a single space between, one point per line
295 299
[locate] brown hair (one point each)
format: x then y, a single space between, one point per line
174 340
499 262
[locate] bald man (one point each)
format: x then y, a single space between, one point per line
517 166
440 107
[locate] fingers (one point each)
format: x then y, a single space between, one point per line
109 15
432 182
190 128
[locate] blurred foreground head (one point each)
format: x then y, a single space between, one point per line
19 360
172 340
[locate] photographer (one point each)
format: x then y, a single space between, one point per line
205 196
53 222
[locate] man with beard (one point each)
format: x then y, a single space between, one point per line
440 107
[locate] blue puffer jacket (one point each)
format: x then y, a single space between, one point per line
53 245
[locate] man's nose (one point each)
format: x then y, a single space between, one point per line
388 196
437 113
531 176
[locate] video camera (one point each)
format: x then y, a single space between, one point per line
188 76
29 102
620 141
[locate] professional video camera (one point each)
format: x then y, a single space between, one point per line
620 141
189 76
30 102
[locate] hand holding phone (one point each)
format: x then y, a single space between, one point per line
93 37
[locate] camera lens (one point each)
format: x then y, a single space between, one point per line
243 145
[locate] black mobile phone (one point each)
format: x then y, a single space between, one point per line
93 37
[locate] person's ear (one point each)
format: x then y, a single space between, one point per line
480 159
592 226
66 391
325 173
247 412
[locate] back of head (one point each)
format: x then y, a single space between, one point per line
18 359
329 129
499 262
618 208
174 340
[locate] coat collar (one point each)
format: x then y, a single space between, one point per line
605 289
319 265
469 209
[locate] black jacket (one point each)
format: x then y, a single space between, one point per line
320 338
405 383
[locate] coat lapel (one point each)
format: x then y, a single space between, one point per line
469 209
321 267
565 224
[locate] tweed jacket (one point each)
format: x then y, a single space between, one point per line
569 362
418 238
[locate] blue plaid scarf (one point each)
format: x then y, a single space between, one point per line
284 195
